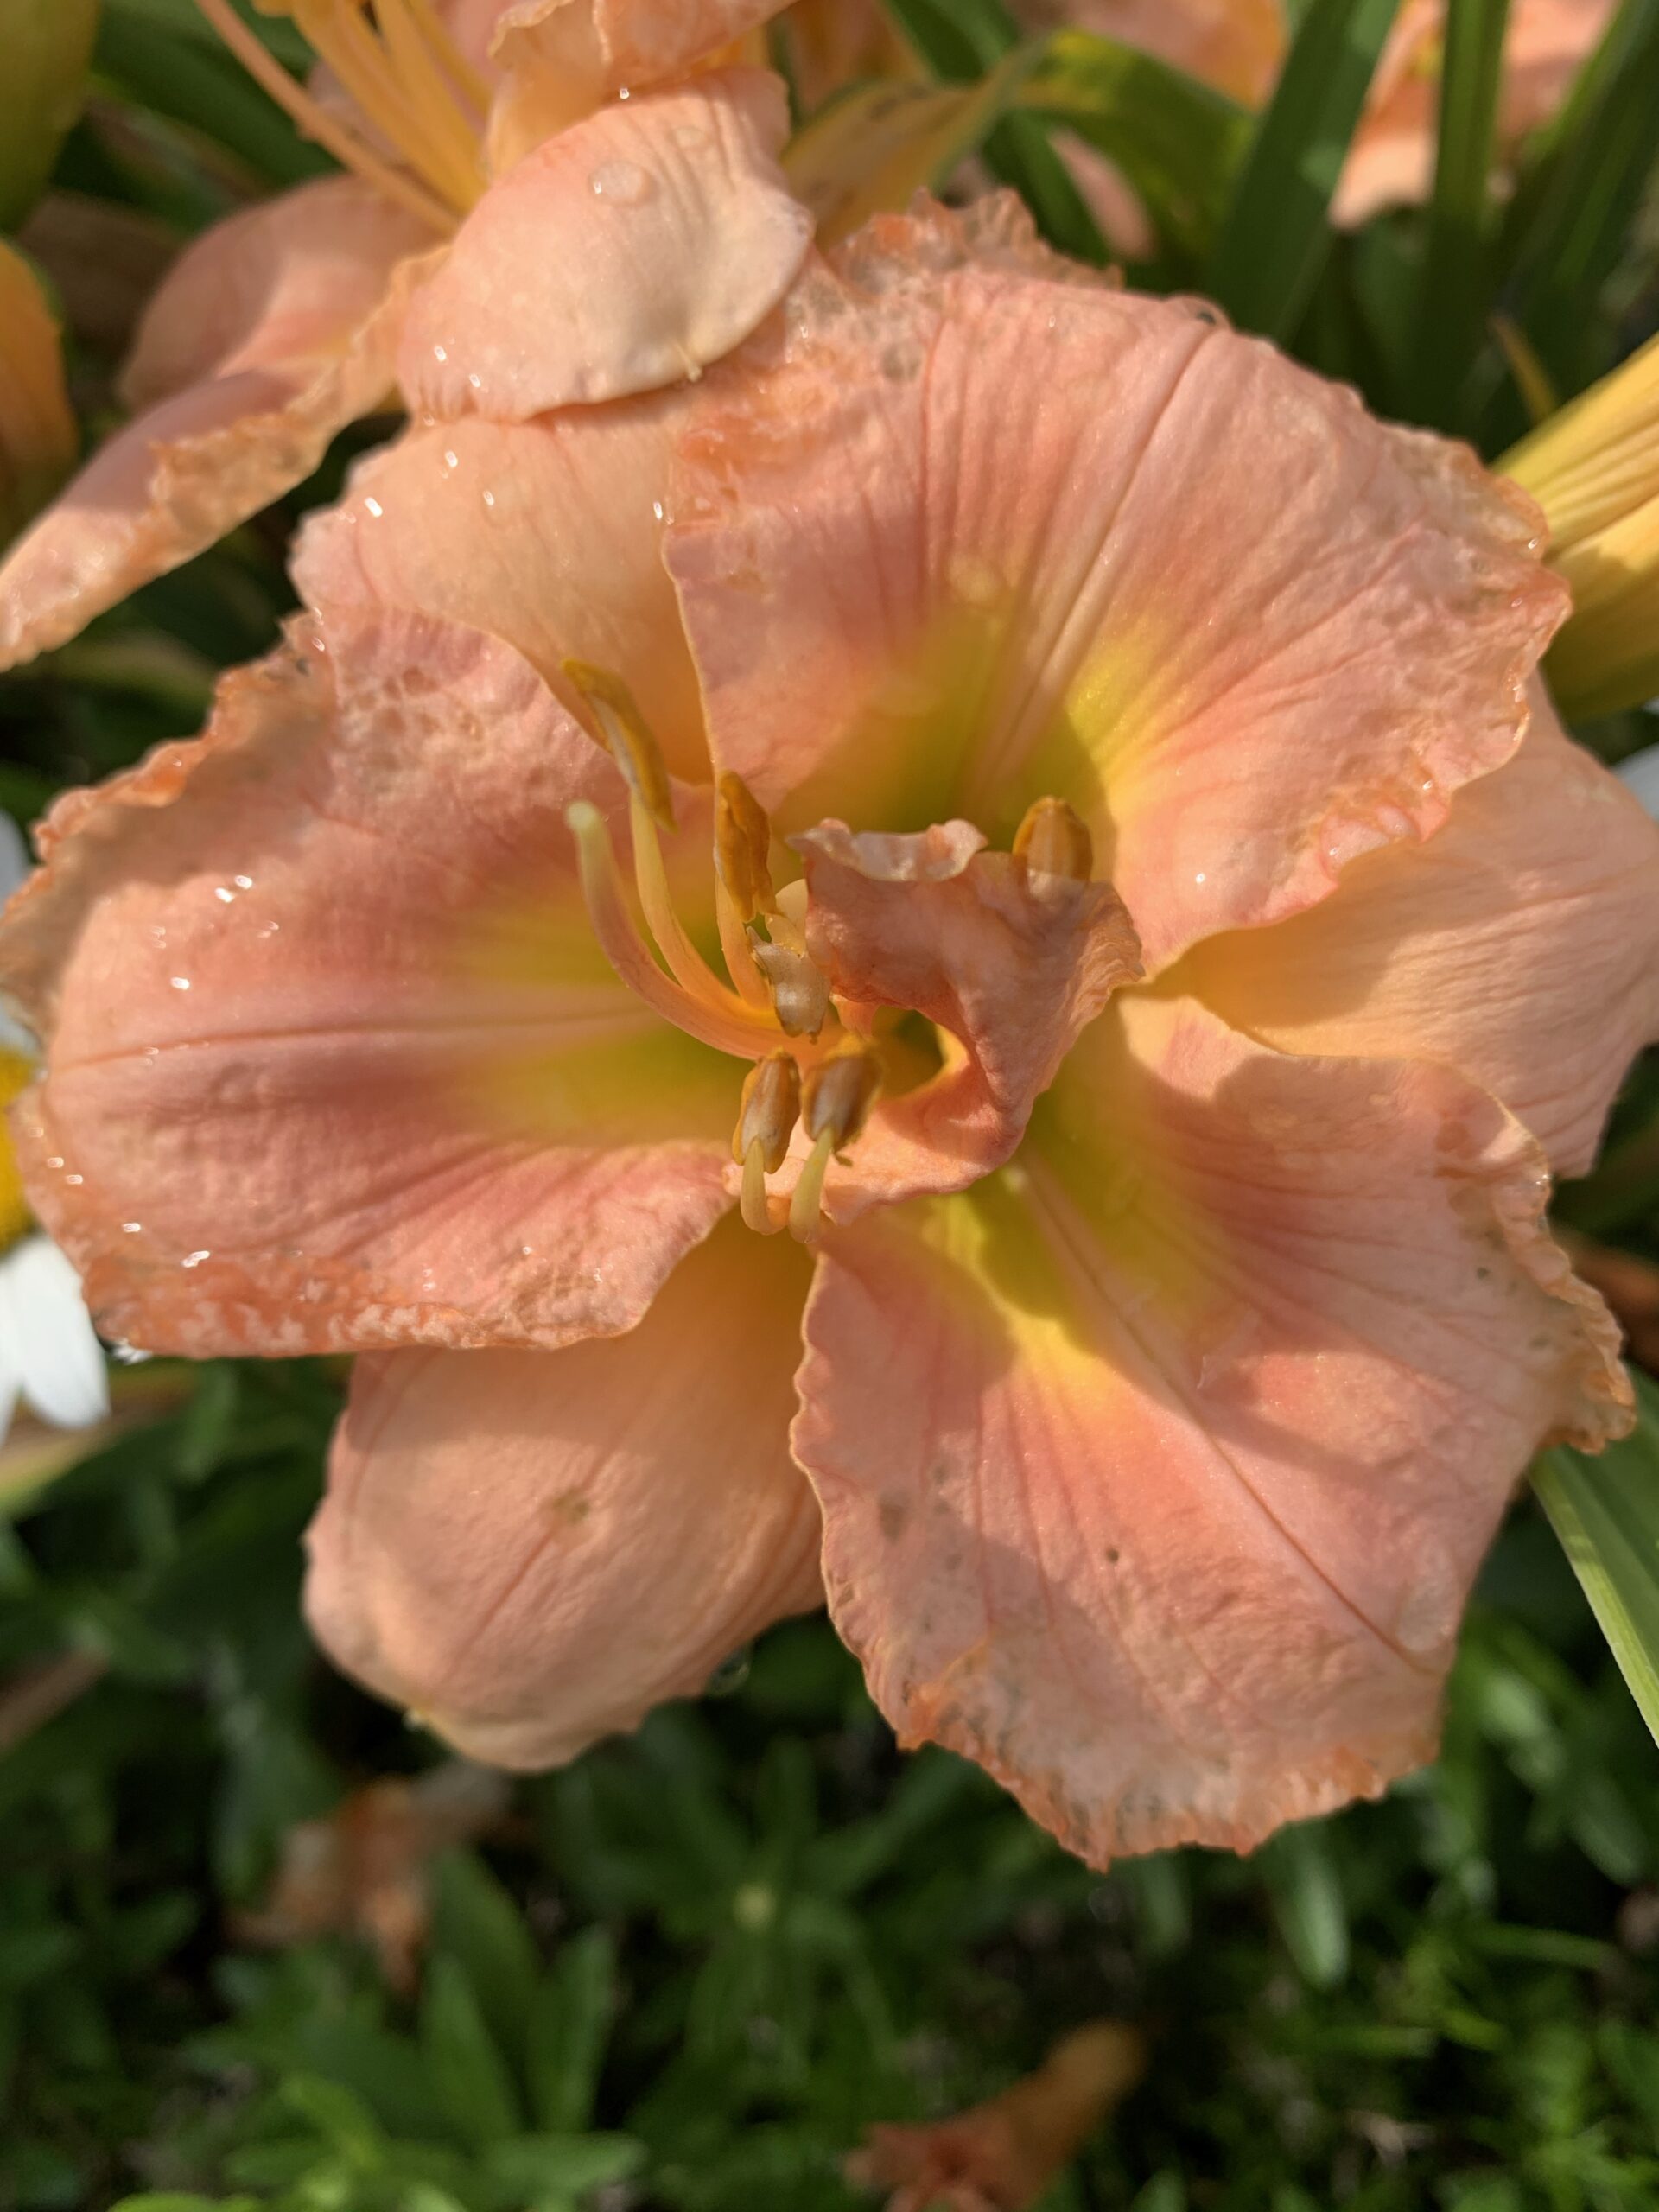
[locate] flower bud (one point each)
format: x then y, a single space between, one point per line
37 427
1594 467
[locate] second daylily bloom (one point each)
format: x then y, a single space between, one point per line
1028 797
674 235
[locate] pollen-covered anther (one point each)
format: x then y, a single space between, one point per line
770 1108
836 1102
798 986
1054 840
626 734
742 844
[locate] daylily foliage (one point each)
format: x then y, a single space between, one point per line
885 933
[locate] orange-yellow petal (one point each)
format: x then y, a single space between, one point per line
1156 1469
530 1549
333 1058
273 331
954 534
623 254
1519 945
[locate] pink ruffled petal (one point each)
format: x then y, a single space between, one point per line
1012 965
333 1058
622 255
545 534
1155 1471
531 1549
271 334
600 48
1520 946
954 535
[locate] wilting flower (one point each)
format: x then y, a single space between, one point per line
1593 469
1002 2155
364 1871
610 244
50 1359
1169 1249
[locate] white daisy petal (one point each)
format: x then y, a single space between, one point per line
10 1372
45 1325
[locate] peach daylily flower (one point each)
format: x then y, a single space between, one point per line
675 235
1176 1306
1391 162
1239 46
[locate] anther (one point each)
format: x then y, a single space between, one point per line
835 1103
767 1117
742 842
626 736
798 986
1054 840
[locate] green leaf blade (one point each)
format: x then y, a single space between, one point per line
1277 232
1605 1512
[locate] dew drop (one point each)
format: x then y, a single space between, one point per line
374 507
194 1259
242 882
439 353
657 509
489 498
1199 878
179 982
625 183
225 895
475 379
76 1179
131 1227
56 1160
451 460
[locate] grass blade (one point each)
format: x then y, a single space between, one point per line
1277 233
1179 143
1606 1511
1455 298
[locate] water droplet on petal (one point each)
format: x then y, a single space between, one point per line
439 353
194 1259
179 982
374 507
625 183
132 1227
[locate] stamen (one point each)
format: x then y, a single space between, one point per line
413 107
742 845
798 986
837 1099
734 948
767 1117
626 736
1054 840
315 122
728 1027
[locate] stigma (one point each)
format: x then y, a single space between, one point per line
410 88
